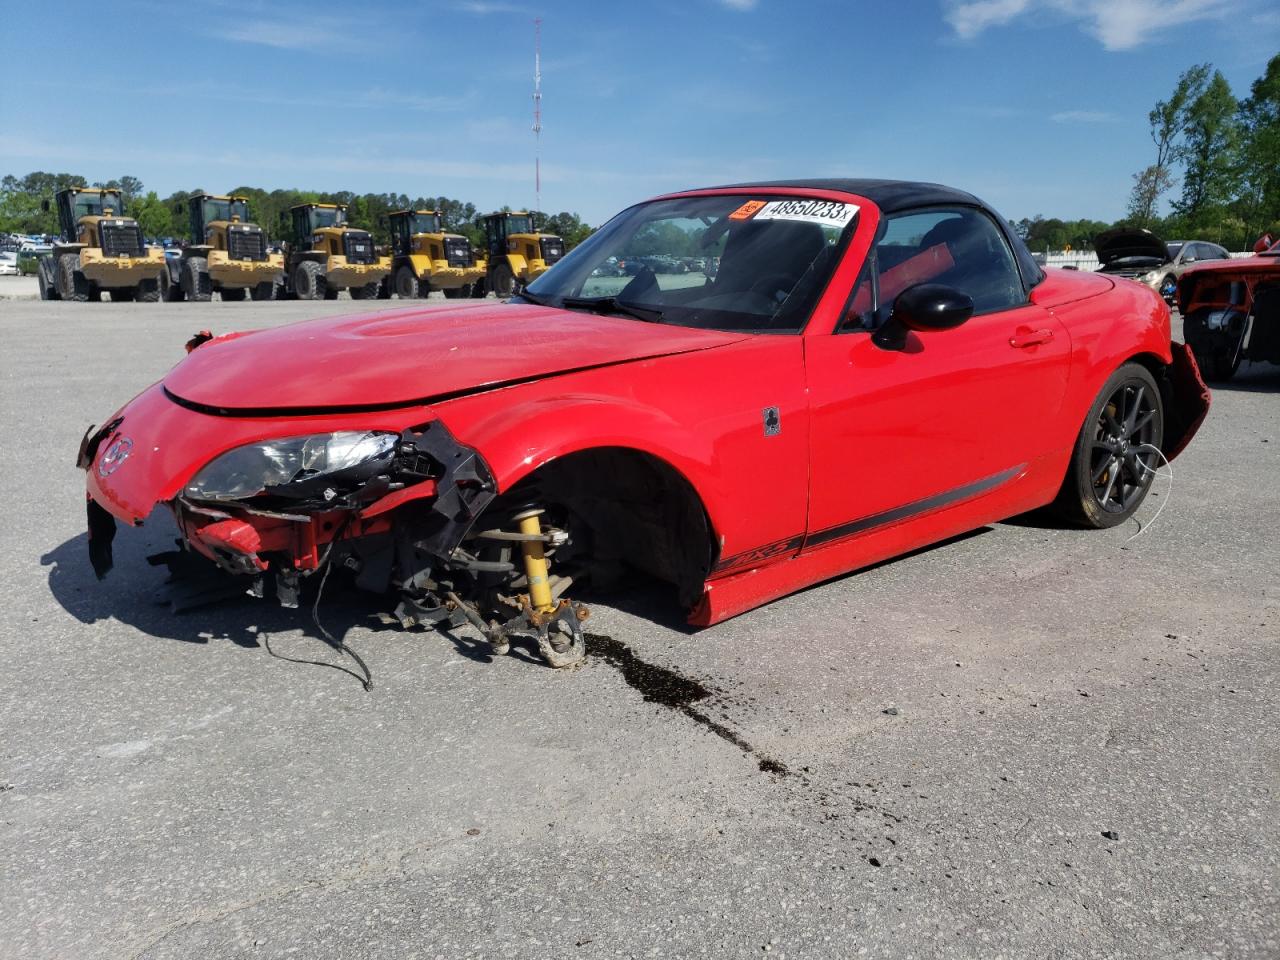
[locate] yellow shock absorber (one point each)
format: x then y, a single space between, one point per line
535 563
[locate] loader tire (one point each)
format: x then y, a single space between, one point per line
71 280
170 292
264 291
504 281
233 294
195 280
407 285
308 281
368 292
147 291
48 291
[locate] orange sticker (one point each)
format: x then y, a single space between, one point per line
747 210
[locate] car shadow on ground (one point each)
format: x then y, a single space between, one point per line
135 593
1250 378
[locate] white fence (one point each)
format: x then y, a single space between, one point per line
1086 259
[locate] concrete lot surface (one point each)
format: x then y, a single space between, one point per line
1027 743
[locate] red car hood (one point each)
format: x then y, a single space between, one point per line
403 357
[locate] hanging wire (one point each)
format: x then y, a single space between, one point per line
1151 448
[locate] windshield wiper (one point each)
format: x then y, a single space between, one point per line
612 305
526 295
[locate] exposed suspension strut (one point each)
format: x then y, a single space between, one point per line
556 626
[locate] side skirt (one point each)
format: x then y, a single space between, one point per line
871 540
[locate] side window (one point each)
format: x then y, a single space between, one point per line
956 246
1214 252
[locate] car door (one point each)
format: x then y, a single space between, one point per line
953 415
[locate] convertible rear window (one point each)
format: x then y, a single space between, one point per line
743 262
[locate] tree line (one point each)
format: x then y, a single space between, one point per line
21 210
1217 159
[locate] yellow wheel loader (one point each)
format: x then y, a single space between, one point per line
517 252
326 255
425 258
227 255
99 249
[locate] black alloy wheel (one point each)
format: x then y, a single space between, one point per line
1117 451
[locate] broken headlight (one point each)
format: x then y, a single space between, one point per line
296 466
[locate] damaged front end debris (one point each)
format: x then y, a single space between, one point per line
394 510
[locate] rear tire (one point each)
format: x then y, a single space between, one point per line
147 291
504 281
233 294
368 292
264 291
1113 462
308 281
74 285
195 280
1169 288
122 294
407 284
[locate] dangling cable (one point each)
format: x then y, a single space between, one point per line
340 645
1151 448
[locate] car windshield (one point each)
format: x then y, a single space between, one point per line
424 223
739 262
327 217
216 209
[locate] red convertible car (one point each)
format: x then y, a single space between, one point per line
1231 312
847 370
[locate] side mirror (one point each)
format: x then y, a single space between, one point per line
925 306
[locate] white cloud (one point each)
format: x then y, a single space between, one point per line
1117 24
484 7
739 4
971 18
1085 116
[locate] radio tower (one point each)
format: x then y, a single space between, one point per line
537 114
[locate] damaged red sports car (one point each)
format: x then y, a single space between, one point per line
738 390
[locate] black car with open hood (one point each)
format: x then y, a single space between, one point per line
1130 252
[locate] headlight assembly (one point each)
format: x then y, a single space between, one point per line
295 467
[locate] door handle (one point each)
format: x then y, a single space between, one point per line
1029 338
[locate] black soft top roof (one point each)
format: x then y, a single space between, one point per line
892 196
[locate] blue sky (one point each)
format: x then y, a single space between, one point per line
1039 106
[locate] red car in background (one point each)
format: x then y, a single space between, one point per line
1231 312
870 367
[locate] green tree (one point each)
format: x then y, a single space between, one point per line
1211 152
152 215
1148 187
1260 151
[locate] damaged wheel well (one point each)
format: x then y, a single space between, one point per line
637 508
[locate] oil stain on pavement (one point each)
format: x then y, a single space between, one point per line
670 689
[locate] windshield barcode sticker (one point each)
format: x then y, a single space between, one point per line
828 213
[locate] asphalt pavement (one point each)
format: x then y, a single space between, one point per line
1029 742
